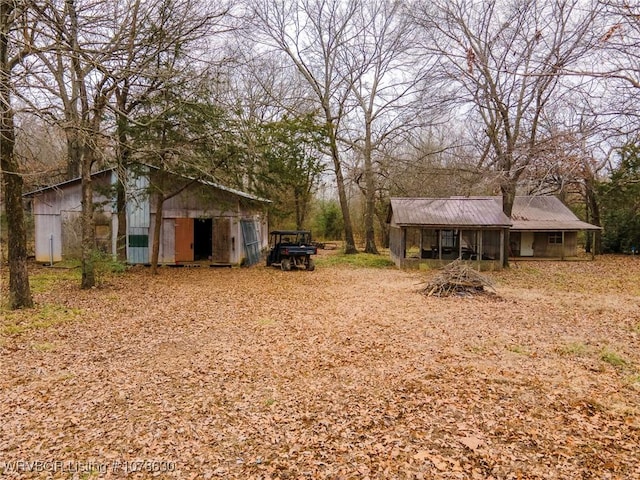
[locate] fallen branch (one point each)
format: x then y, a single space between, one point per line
457 278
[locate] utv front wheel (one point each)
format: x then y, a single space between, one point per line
311 265
285 264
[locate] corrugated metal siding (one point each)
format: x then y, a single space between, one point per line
138 218
53 201
167 252
251 242
396 244
138 215
264 232
199 201
71 228
473 211
138 254
45 227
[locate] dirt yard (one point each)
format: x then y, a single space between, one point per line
341 373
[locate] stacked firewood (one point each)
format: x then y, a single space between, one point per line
457 278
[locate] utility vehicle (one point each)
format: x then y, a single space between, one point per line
291 249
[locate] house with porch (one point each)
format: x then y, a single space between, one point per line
435 231
544 227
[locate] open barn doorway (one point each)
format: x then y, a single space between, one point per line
202 238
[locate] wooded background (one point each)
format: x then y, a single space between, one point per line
326 107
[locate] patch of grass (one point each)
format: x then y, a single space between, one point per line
105 264
43 316
519 349
43 347
612 358
68 263
264 321
572 349
634 380
45 279
358 260
478 349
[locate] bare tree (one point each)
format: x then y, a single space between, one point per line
622 39
106 50
15 45
618 63
504 63
380 64
41 146
158 31
259 89
313 35
85 38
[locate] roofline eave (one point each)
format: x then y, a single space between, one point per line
557 229
422 225
224 188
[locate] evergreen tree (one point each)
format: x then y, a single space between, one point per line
290 166
620 203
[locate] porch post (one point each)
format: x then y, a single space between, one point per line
502 246
562 251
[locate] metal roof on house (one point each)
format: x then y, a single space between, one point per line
64 184
202 181
453 212
544 213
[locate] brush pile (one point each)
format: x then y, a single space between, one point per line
457 278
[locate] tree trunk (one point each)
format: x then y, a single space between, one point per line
19 290
122 169
594 239
157 228
349 242
74 154
300 208
121 206
508 190
370 196
381 215
88 228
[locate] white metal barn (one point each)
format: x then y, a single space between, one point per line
201 222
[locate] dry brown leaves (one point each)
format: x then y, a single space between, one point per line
337 373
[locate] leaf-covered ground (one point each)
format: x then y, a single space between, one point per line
341 373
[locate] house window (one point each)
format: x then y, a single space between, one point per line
449 238
491 245
555 238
